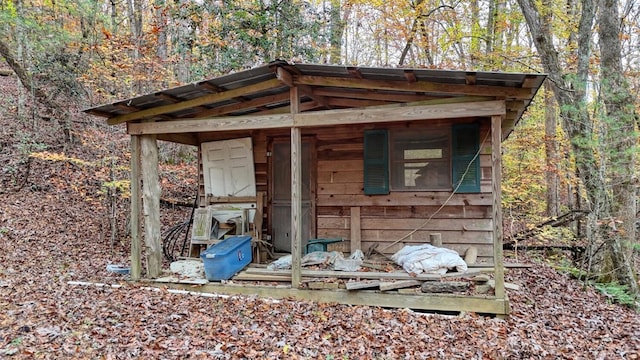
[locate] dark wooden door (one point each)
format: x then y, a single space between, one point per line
281 194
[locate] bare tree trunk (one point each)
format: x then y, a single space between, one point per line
336 32
576 121
134 7
160 24
551 152
24 77
491 25
621 139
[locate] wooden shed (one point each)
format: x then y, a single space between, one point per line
377 157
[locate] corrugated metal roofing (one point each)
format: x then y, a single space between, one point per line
339 86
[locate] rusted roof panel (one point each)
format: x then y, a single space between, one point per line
272 97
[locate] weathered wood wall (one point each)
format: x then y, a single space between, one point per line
463 221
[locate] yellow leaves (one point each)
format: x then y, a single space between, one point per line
119 186
45 155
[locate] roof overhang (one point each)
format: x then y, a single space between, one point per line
259 98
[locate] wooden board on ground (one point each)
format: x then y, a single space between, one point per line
401 284
399 275
444 286
367 284
323 285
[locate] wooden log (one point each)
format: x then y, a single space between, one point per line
480 279
393 285
471 255
151 204
136 227
367 284
436 239
444 286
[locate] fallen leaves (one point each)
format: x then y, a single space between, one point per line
52 236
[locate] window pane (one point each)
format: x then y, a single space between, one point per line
420 160
422 154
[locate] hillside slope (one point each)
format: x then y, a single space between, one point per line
57 232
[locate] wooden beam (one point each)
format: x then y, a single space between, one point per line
296 193
227 123
496 180
284 76
151 204
231 199
399 112
365 284
419 86
373 95
203 100
478 304
356 233
380 275
135 226
248 104
355 103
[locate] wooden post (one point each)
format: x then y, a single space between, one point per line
496 180
296 195
151 204
435 239
355 229
136 264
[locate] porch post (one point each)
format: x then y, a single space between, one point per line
296 192
496 181
151 204
136 265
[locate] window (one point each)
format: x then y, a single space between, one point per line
420 160
442 159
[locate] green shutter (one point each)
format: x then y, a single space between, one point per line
376 162
465 146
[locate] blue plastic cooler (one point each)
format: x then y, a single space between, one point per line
226 258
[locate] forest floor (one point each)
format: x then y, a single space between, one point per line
57 217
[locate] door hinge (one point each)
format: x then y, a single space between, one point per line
268 153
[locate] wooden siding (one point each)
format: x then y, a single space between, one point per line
463 221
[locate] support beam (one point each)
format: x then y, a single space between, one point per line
356 233
296 196
400 112
418 86
496 181
136 263
203 100
151 202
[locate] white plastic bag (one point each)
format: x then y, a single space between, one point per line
429 259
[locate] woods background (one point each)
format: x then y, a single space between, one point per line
576 148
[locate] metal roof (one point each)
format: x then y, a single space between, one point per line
265 90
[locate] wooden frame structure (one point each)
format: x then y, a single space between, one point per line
336 105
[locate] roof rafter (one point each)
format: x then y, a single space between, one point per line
418 86
207 99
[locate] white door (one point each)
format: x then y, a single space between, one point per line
228 168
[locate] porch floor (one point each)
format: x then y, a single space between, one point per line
367 288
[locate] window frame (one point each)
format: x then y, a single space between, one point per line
400 141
